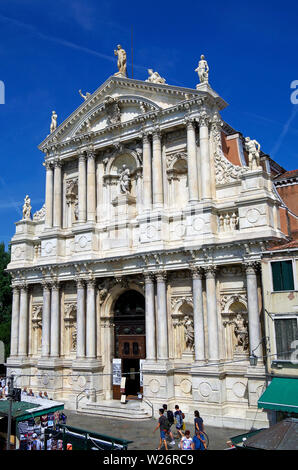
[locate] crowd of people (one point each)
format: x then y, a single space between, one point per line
25 392
168 418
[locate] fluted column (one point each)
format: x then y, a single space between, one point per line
57 194
82 188
254 324
91 320
150 317
91 185
157 170
15 321
55 321
213 346
81 319
49 195
23 323
46 320
205 156
193 190
147 175
198 313
162 320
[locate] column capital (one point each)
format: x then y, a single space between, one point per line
80 282
156 133
91 283
252 267
55 285
48 165
161 276
46 284
204 119
146 136
197 272
82 156
23 285
189 122
91 154
210 271
15 287
57 163
149 277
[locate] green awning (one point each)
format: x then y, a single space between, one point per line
281 395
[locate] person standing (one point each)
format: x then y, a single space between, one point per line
179 420
198 422
163 427
170 416
186 441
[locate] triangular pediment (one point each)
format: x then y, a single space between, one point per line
117 101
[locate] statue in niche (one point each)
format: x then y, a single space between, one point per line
253 148
188 332
85 97
121 63
203 70
53 126
154 77
241 333
27 208
125 180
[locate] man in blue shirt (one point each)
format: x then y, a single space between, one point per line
198 441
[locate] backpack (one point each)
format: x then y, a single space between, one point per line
165 424
170 416
183 415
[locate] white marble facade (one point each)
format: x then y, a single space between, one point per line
187 232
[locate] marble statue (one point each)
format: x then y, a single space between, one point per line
27 208
125 180
53 122
203 70
84 96
154 77
189 332
241 333
253 148
121 63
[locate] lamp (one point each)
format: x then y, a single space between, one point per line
253 359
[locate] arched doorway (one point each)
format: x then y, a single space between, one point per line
130 340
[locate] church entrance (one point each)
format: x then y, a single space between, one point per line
130 341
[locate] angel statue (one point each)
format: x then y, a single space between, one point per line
154 77
85 97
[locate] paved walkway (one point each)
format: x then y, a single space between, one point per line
141 432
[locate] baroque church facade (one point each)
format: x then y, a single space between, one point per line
145 259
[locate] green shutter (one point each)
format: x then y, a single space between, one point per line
282 275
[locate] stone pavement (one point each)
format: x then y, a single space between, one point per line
141 432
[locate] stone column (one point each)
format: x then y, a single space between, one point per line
91 185
46 320
162 320
157 170
82 188
193 190
55 320
205 156
147 176
57 194
81 319
254 324
198 313
15 321
91 321
213 346
150 317
23 323
49 195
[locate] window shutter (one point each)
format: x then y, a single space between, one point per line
276 276
287 275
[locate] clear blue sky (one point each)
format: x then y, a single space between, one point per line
51 49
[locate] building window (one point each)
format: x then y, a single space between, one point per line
286 331
282 275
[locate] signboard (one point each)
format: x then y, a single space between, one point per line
141 371
117 372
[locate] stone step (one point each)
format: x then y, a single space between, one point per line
114 411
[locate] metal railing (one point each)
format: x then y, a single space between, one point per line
87 394
148 402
